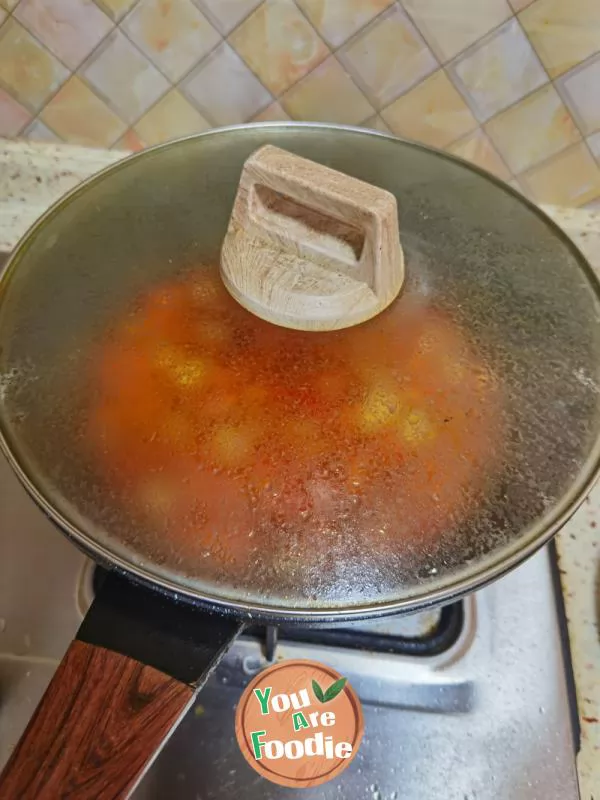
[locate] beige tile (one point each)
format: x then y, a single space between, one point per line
77 115
227 14
498 71
328 94
116 8
376 123
124 77
571 178
477 148
272 113
433 112
70 29
449 26
533 129
171 117
514 184
129 141
38 132
13 117
594 145
337 21
581 90
388 57
563 32
3 13
224 90
519 5
8 4
27 69
174 34
278 44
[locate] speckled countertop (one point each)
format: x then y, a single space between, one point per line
33 176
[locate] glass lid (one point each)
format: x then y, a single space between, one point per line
380 467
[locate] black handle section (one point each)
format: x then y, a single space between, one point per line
180 639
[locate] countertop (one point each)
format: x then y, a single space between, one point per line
33 176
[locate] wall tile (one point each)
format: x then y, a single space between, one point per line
227 14
594 145
449 26
115 8
171 117
77 115
563 32
13 117
27 69
125 77
129 141
547 123
3 14
174 34
337 21
328 94
70 29
581 91
272 113
571 178
477 148
278 44
38 132
519 5
8 4
498 72
433 112
388 57
376 123
224 89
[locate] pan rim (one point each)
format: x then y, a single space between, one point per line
484 571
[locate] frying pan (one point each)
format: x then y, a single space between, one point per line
474 249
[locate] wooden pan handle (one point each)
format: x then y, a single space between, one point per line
100 721
137 663
309 247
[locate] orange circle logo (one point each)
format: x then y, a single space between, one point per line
299 723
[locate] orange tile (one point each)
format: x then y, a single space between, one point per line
571 178
278 44
171 117
129 141
328 94
477 148
533 129
272 113
13 117
77 115
433 112
27 69
174 34
563 32
337 21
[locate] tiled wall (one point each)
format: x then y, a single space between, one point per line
513 85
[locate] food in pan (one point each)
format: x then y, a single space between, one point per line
224 431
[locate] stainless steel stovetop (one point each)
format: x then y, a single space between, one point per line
487 717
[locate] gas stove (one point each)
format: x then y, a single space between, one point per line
471 702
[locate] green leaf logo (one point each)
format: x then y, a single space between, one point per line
331 692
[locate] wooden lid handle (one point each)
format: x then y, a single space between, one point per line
308 247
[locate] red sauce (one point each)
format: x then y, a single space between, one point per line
224 429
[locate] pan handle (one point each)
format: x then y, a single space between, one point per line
124 684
